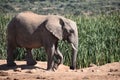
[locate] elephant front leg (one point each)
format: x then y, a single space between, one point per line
50 54
29 57
59 58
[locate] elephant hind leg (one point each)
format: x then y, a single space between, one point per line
29 57
10 55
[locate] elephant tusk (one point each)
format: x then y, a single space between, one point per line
73 46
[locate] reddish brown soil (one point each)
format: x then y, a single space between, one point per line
109 71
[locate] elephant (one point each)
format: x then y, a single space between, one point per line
30 30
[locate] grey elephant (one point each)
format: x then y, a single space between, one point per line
29 30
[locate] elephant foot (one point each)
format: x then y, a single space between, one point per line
72 68
10 64
55 66
50 69
31 63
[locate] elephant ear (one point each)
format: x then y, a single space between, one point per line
55 27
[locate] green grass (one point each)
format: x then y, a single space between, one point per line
99 40
4 19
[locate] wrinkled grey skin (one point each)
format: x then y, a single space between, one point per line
29 30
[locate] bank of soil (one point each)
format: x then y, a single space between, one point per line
109 71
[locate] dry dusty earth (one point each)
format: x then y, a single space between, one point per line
109 71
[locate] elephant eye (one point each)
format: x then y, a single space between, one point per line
71 31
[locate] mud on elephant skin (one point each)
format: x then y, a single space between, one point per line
30 30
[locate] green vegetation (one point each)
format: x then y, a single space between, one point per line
76 7
99 40
4 19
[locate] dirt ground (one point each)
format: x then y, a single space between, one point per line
109 71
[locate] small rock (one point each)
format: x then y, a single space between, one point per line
113 70
81 70
33 71
108 74
85 78
28 71
40 77
37 77
92 65
15 79
98 70
93 71
4 73
17 70
84 70
8 78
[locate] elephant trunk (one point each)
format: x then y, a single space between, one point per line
74 45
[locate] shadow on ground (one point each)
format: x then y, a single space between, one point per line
5 67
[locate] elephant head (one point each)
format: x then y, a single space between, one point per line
65 29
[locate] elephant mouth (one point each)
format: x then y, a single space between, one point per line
67 40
